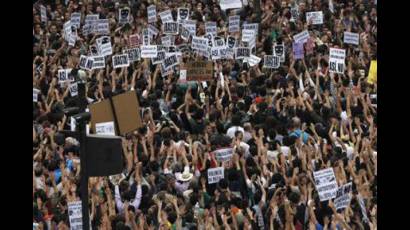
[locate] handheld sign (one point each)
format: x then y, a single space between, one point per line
167 40
149 51
316 17
83 61
230 4
247 35
199 43
35 94
43 13
190 25
119 61
343 196
170 28
105 128
215 175
103 26
104 45
75 215
210 28
160 57
242 52
279 51
98 62
170 62
301 37
133 54
271 62
254 60
152 30
76 19
166 16
325 182
124 15
234 23
73 89
183 14
224 154
337 60
351 38
152 13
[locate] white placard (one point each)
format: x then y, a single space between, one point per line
152 30
182 76
105 128
63 74
89 63
337 60
363 208
148 51
36 91
218 52
234 23
183 14
89 18
170 28
165 72
170 61
152 13
218 42
72 124
166 16
75 215
73 89
145 37
270 61
119 61
343 196
104 45
124 15
210 28
315 16
103 27
199 43
166 40
242 52
301 37
248 35
98 62
294 13
230 4
190 25
43 13
230 42
254 60
279 51
215 175
76 19
185 33
160 57
133 54
83 61
325 182
351 38
224 154
251 26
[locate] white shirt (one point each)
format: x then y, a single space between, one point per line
231 131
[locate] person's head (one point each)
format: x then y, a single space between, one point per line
236 120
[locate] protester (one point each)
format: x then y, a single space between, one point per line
276 126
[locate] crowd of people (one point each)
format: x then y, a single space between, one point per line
279 125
